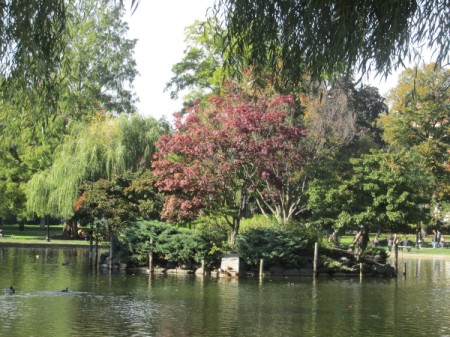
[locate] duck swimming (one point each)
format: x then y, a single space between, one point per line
65 290
10 291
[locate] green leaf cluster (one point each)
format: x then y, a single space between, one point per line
380 191
180 246
418 122
327 38
94 71
200 70
108 146
275 245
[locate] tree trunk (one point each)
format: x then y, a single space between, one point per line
360 242
75 230
234 232
70 230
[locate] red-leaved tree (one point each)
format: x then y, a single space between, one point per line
228 151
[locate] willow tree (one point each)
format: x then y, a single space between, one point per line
323 38
31 41
97 72
108 146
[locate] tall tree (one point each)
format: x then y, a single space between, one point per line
200 70
98 69
327 38
223 154
108 146
97 73
33 43
382 191
419 121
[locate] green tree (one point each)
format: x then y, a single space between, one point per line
107 147
419 121
33 44
96 73
200 70
381 191
324 38
98 69
226 153
107 200
112 204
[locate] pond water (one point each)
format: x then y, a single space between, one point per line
123 304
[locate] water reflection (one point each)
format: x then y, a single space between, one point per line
103 303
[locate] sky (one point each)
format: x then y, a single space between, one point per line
159 28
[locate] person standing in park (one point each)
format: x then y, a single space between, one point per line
438 238
390 242
418 239
334 239
405 244
433 239
360 242
376 240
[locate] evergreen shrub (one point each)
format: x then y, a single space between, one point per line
179 246
286 247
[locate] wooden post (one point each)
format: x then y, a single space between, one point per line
261 268
361 270
96 249
396 258
404 270
91 247
201 271
316 256
111 249
150 257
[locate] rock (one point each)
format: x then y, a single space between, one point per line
199 271
344 260
383 269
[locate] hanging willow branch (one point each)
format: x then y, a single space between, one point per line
325 38
108 146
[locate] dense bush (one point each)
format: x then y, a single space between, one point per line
286 247
376 253
179 246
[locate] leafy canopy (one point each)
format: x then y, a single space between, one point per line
327 38
419 121
96 72
225 152
381 191
200 69
108 146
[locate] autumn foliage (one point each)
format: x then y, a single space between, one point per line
225 152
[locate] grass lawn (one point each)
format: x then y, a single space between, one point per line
426 247
32 234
